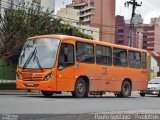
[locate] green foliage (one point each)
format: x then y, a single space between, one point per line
17 25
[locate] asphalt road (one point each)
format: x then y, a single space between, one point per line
65 104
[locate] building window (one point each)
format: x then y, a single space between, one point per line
103 55
134 59
85 52
120 30
120 36
120 57
120 42
89 32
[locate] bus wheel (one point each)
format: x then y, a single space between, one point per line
142 94
80 89
126 89
47 93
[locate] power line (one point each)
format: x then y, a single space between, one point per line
134 4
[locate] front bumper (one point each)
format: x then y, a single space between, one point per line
32 85
151 92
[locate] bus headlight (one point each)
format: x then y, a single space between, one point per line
18 75
48 76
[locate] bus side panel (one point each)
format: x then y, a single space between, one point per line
118 74
91 71
140 79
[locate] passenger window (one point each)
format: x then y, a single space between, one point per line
103 55
120 57
85 52
66 56
134 59
143 60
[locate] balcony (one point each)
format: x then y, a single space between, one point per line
86 20
87 8
76 5
87 14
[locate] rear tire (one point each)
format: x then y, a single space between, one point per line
126 89
81 89
142 94
47 93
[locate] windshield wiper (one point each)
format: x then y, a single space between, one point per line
37 60
33 54
29 58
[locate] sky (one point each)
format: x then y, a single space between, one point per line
62 3
149 8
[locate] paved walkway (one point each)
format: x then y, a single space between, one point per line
18 92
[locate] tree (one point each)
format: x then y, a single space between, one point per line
16 25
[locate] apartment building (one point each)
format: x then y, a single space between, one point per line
99 14
72 16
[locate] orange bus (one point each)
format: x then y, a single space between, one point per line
60 63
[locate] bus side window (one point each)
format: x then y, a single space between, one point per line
143 60
66 56
103 55
85 52
120 57
134 59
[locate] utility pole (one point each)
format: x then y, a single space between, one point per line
134 4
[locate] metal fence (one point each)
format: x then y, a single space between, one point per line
7 72
7 77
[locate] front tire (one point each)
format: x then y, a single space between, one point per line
126 89
142 94
47 93
81 89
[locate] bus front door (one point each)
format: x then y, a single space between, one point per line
66 68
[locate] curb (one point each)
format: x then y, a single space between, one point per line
18 92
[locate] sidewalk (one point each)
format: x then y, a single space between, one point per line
19 92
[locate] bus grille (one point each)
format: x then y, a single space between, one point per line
27 76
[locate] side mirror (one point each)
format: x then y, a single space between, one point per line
60 67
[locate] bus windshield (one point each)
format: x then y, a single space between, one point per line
39 53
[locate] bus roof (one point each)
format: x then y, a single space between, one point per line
66 37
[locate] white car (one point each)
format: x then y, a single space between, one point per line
153 87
